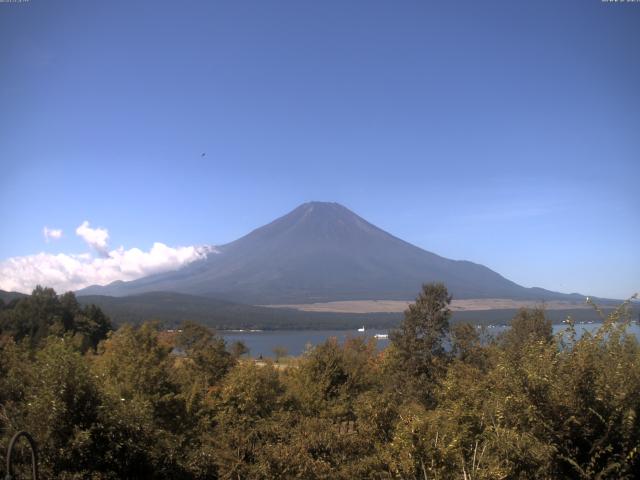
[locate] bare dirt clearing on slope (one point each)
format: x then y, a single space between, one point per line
391 306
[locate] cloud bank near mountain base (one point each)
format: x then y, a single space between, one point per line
65 272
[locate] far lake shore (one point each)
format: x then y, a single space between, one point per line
295 342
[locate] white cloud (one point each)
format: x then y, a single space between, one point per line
66 272
97 238
51 233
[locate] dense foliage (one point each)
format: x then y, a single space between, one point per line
438 403
44 313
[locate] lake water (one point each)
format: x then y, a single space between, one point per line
296 341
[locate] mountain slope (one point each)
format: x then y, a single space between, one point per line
324 252
174 308
6 297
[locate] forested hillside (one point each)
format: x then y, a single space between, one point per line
107 404
173 308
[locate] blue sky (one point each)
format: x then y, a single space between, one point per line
506 133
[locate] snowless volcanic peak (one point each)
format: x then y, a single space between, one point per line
323 252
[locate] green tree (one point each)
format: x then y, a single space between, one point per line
44 313
16 373
466 345
206 362
146 414
418 356
34 316
91 326
134 366
62 403
249 396
529 325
